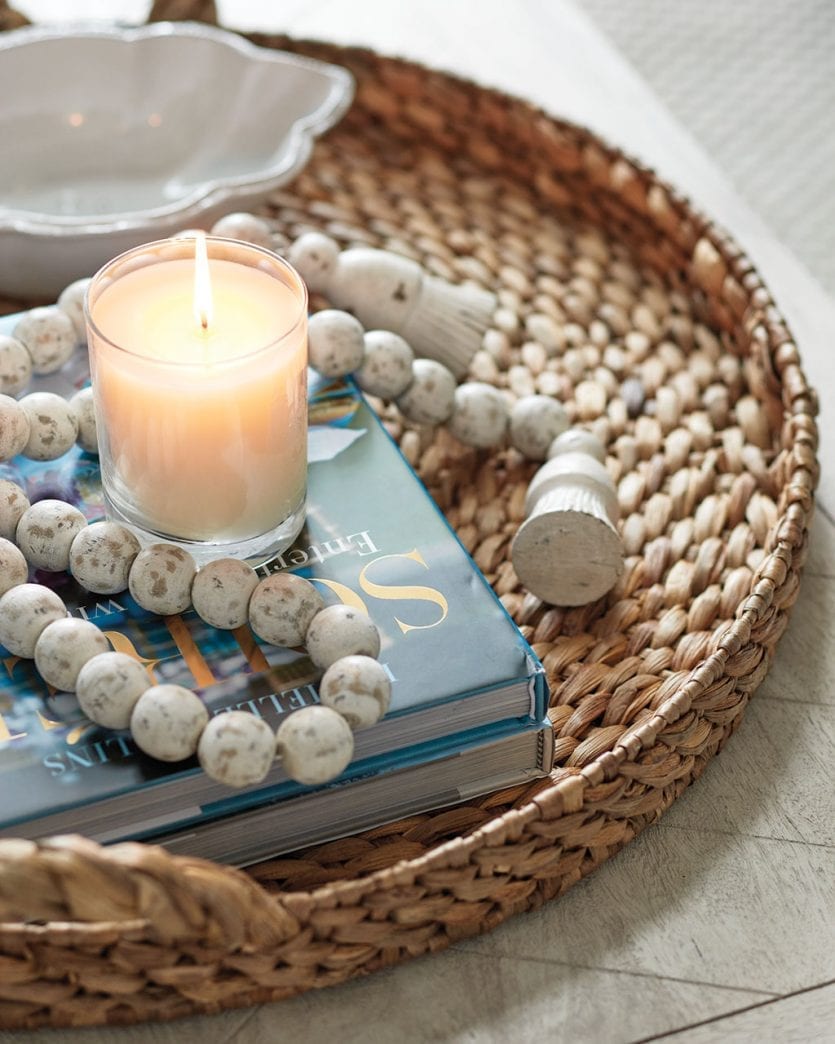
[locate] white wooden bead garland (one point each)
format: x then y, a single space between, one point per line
13 502
101 556
25 611
160 579
14 569
53 427
64 647
568 550
408 310
14 428
71 303
166 722
237 749
430 398
222 593
571 502
83 410
108 687
316 744
388 292
45 534
15 366
48 334
169 722
358 687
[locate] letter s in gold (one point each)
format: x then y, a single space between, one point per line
395 593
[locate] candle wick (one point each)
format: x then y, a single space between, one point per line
202 283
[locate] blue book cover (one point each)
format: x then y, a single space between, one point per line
373 539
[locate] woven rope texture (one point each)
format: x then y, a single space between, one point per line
656 333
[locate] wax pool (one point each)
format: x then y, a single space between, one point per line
204 430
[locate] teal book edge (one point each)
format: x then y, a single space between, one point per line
373 539
359 771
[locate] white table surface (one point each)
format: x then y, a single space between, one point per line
716 925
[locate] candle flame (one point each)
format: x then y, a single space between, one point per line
202 283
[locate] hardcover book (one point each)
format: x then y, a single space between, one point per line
469 699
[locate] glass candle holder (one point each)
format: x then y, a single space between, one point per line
199 376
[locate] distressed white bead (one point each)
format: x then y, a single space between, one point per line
160 579
15 366
62 649
282 609
315 744
167 721
236 749
480 417
430 398
84 412
53 428
535 421
101 556
14 428
246 227
340 630
48 335
335 343
578 440
13 567
108 686
45 534
25 611
358 688
13 502
71 302
221 592
386 369
314 256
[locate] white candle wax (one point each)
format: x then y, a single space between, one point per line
203 429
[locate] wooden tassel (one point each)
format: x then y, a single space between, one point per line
440 320
568 551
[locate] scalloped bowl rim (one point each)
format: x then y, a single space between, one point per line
212 191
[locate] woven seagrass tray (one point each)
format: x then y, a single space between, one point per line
654 329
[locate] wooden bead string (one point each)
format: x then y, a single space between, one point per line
114 690
391 294
106 558
388 293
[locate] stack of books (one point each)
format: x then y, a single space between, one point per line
469 698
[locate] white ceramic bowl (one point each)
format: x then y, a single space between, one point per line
111 137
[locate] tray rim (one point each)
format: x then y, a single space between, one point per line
567 795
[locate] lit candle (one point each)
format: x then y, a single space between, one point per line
198 356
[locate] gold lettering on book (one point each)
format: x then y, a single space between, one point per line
343 593
48 723
75 733
251 649
194 659
6 733
121 643
416 593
